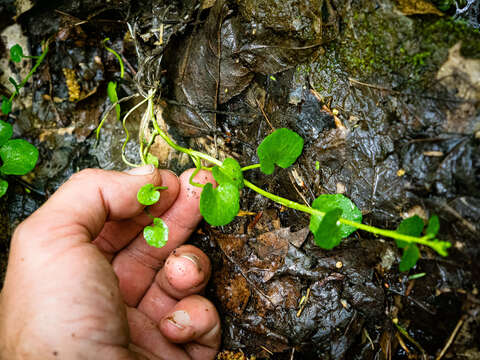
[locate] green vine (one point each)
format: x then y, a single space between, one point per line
333 217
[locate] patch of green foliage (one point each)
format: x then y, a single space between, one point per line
112 88
378 43
18 156
16 55
333 217
156 235
446 5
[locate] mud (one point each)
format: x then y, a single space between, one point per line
388 104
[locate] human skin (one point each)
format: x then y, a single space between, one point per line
82 283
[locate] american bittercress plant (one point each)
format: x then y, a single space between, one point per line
16 55
19 157
333 217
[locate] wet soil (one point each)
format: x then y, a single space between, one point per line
387 98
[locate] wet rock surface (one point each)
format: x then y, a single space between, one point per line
387 104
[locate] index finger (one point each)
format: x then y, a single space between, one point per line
137 264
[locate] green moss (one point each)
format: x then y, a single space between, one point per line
446 32
377 43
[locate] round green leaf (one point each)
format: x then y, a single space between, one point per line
219 205
282 147
156 235
6 105
148 194
229 172
328 202
411 226
16 53
327 231
410 256
6 132
3 187
19 157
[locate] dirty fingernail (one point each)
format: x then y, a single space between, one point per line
193 258
170 171
142 170
180 319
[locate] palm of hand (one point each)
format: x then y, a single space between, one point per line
116 298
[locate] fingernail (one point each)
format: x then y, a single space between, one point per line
193 258
170 171
142 170
179 319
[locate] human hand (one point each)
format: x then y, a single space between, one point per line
82 283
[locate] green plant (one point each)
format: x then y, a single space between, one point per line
156 235
16 55
332 217
18 156
112 88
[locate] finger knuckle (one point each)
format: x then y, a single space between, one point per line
85 174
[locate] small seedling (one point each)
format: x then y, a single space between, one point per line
112 88
156 235
18 156
332 217
16 55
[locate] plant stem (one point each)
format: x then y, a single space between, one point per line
126 130
294 205
122 68
250 167
34 68
177 147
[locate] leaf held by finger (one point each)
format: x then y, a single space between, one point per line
148 195
156 235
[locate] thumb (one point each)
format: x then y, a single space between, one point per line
80 207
